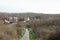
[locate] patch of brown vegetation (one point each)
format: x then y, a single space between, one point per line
46 29
10 31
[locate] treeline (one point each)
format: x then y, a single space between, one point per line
31 15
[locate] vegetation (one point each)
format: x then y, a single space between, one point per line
11 31
44 26
7 32
46 29
31 37
21 34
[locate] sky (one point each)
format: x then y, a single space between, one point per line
38 6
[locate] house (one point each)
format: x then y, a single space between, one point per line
15 19
6 21
24 19
10 19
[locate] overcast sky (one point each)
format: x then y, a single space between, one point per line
38 6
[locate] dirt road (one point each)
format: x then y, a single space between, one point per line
26 35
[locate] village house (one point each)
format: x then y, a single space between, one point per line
15 19
6 21
10 20
25 19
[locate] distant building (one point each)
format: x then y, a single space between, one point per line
15 19
10 20
24 19
6 21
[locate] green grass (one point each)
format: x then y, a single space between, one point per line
31 37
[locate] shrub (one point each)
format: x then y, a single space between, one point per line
46 29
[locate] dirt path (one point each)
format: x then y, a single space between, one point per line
26 35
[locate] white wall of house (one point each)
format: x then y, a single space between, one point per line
6 21
26 19
11 19
15 19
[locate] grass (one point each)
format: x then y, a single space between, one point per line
21 35
31 37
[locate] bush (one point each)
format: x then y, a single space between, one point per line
7 33
10 31
46 29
